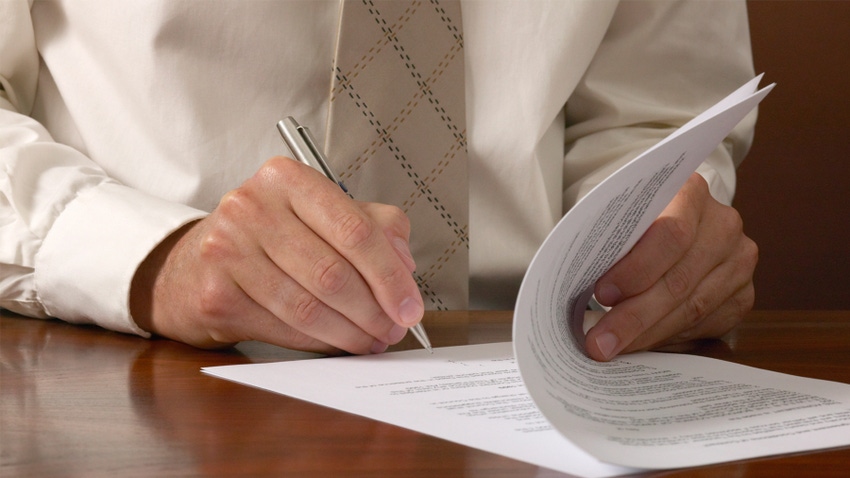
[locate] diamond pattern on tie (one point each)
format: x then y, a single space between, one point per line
397 132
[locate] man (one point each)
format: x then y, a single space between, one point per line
122 125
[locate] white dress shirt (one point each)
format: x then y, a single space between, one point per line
122 121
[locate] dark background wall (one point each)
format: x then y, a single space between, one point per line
794 186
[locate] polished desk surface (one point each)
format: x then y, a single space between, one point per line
81 401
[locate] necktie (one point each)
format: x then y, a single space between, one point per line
397 134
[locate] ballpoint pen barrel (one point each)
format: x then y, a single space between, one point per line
421 336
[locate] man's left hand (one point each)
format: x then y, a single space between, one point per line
689 277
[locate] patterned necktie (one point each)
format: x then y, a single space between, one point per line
397 134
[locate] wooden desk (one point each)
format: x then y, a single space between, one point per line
81 401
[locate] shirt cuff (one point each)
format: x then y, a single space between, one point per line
719 172
87 261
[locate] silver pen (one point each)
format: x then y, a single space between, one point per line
303 147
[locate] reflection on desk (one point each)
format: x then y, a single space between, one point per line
78 400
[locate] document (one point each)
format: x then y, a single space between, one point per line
540 399
654 410
472 395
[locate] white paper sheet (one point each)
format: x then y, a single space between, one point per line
645 410
471 395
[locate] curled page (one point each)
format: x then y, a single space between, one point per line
652 410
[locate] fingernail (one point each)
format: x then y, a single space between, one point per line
410 311
607 344
609 294
397 333
378 347
403 250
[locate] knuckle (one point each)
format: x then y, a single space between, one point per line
677 282
392 278
731 222
354 230
215 245
330 275
307 311
388 217
716 323
699 185
237 209
696 308
749 255
633 325
214 298
273 169
680 232
235 203
398 219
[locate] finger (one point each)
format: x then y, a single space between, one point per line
717 324
736 275
653 317
263 326
637 316
349 230
331 300
228 313
296 318
261 263
711 311
249 320
662 245
396 231
377 260
729 259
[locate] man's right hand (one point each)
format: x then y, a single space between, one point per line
287 259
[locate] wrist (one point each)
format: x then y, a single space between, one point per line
148 277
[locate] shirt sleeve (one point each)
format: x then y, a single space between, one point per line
71 237
660 64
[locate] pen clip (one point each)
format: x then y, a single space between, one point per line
302 144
